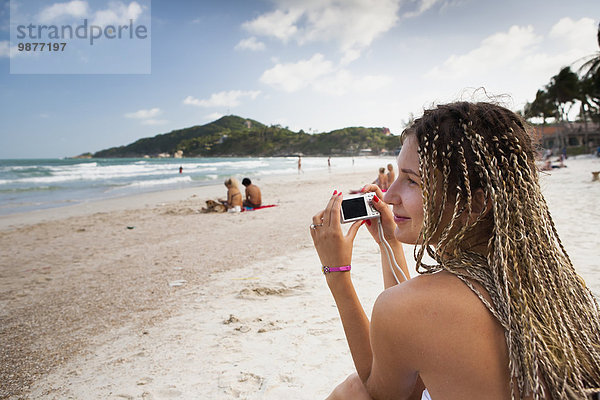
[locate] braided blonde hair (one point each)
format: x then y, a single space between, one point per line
551 319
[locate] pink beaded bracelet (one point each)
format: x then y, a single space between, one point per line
327 270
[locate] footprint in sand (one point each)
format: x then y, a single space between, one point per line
262 291
241 385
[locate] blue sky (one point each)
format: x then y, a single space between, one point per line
315 65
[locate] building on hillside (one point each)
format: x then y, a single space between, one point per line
570 135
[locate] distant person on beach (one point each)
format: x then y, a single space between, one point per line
500 313
382 180
234 196
299 164
329 162
180 169
391 176
253 195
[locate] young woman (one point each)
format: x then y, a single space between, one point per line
502 314
234 196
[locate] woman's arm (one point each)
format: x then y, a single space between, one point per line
354 320
335 250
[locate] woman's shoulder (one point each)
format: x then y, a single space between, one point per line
436 301
437 289
441 328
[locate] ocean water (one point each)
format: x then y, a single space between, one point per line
33 184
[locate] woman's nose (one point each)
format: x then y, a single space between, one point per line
391 195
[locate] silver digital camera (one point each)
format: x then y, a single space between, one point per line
357 207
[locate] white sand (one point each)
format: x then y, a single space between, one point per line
254 320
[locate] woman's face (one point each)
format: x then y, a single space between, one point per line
405 194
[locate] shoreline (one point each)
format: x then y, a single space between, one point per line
205 305
156 196
150 199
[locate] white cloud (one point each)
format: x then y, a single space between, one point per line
279 23
496 51
320 75
343 82
118 13
75 8
250 43
154 121
519 51
144 114
230 98
352 25
579 35
292 77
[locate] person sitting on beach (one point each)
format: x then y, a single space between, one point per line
234 196
253 195
501 314
381 180
391 176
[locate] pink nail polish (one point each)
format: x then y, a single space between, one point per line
376 199
368 221
334 192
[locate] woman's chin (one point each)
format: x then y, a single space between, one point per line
405 237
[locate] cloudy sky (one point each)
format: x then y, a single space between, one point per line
315 65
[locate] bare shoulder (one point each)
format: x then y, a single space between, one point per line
436 293
443 330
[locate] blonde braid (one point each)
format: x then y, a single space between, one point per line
551 319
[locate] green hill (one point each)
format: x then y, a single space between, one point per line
235 136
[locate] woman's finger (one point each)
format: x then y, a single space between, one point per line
327 214
381 206
335 209
354 229
318 218
373 188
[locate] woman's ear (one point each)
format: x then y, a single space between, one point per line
480 204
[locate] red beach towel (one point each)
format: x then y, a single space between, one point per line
258 208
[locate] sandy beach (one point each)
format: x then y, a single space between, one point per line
146 298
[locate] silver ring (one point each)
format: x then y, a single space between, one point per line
313 226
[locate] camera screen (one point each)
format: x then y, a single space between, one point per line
354 208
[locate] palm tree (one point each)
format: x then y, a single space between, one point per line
542 107
563 89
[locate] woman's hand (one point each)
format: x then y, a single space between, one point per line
334 249
387 217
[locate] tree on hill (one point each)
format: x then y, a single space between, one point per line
236 136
